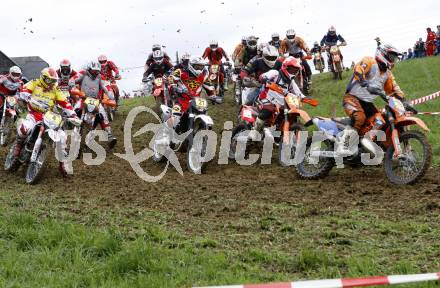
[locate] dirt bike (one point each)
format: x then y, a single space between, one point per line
160 91
46 132
9 116
286 118
235 77
336 62
213 83
302 80
111 109
318 61
87 108
407 153
195 119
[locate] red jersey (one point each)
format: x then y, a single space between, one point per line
215 57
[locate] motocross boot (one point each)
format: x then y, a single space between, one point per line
256 130
19 144
111 139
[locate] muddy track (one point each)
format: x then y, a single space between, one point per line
115 184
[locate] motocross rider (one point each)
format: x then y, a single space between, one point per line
269 61
275 41
91 83
293 45
159 67
107 69
41 95
332 39
191 81
316 48
150 59
238 48
215 54
65 72
285 78
10 84
371 76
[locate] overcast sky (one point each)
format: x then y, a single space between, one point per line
80 30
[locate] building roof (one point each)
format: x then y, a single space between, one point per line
30 65
5 63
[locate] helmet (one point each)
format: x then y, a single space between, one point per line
185 58
213 45
93 69
290 34
291 67
102 60
332 30
251 42
275 37
270 55
65 67
15 73
196 66
260 47
387 55
156 47
49 77
158 56
316 43
243 40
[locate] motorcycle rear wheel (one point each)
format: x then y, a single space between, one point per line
406 170
309 171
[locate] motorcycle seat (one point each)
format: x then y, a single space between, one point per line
342 121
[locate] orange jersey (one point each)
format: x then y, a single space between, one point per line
237 51
298 45
368 70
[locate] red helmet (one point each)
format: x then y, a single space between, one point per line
102 59
290 68
65 67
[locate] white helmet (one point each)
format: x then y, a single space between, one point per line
93 69
243 39
158 56
332 30
196 66
185 56
213 45
276 35
270 55
15 73
290 34
251 42
156 47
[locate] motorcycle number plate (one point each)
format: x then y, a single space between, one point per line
91 101
158 81
247 115
292 100
53 117
11 100
201 103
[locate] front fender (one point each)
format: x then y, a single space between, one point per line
406 121
205 119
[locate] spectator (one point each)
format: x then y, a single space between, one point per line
431 39
410 53
438 39
419 48
405 56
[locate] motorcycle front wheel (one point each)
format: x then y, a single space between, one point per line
11 162
415 160
196 152
35 169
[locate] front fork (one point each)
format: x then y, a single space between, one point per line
37 145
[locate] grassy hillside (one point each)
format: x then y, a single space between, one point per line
106 228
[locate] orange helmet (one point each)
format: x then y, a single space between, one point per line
102 59
290 68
